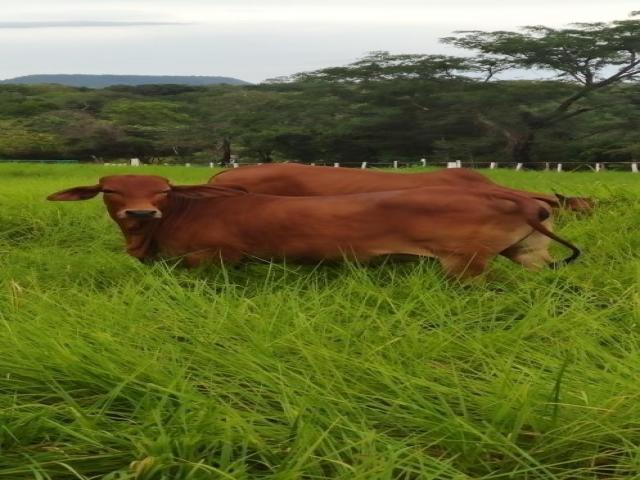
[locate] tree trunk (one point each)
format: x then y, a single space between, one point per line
520 146
519 143
265 157
226 152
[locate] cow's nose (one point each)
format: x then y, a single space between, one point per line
141 213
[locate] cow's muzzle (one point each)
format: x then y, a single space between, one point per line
142 214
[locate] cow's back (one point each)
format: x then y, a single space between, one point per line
297 179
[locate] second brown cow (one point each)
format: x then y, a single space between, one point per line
299 180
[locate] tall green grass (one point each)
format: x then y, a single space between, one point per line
115 370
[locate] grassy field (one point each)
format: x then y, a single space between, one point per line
112 369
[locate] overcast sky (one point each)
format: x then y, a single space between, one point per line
252 39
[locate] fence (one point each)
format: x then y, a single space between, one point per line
555 166
38 161
396 164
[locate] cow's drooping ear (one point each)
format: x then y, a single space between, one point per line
206 191
76 193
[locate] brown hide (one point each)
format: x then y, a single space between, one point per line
300 180
464 229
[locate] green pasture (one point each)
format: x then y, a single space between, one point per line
110 369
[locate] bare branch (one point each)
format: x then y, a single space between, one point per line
569 115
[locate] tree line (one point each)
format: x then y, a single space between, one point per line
381 108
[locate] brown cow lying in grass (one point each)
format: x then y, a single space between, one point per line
462 229
299 180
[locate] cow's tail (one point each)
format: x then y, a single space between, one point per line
535 215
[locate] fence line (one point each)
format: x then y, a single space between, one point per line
546 166
558 166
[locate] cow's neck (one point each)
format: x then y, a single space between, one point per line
139 237
144 238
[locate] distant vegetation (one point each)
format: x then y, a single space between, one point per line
101 81
381 108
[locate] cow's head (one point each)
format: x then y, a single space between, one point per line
140 197
126 196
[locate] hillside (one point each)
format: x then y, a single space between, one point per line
101 81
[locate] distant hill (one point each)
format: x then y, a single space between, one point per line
101 81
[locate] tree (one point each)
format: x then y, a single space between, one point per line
590 56
382 65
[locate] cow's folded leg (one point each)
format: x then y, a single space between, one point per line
222 256
463 266
193 260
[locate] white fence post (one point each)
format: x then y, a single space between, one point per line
452 165
546 166
210 164
518 166
559 167
336 164
634 167
135 162
493 165
395 164
312 164
235 165
423 161
598 167
458 163
364 165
